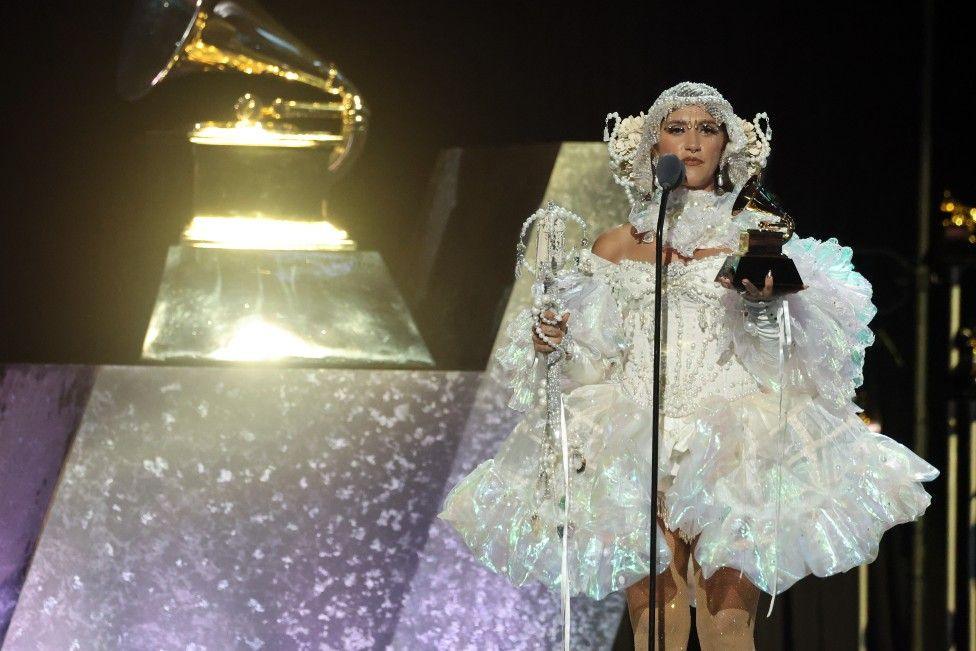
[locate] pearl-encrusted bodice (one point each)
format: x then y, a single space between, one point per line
697 345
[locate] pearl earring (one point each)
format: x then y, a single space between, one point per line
723 181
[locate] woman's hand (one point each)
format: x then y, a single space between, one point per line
553 332
751 293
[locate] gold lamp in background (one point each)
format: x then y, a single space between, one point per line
261 275
959 223
247 175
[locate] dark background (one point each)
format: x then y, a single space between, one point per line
82 248
81 259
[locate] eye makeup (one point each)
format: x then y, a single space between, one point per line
705 127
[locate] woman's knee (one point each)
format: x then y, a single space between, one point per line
670 583
729 590
726 610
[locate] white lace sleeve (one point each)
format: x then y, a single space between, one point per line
755 335
828 322
594 341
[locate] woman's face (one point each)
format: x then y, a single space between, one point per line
694 136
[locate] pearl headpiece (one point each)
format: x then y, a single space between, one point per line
630 140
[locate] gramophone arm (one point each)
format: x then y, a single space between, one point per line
757 199
784 224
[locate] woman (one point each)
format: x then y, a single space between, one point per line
766 473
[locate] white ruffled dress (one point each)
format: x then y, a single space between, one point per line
765 463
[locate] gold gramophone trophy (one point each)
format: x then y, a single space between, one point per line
261 273
761 249
259 179
168 38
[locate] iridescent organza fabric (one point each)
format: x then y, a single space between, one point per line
724 457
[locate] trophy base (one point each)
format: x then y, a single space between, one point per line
786 278
321 308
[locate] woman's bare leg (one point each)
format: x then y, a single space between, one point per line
726 612
674 616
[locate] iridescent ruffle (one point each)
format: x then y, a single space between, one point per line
829 324
512 531
842 487
517 362
813 498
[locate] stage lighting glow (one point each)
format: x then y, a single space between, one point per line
266 233
246 133
960 219
255 340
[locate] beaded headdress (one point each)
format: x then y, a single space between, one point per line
630 140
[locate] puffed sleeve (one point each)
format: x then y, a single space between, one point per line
596 339
828 325
594 336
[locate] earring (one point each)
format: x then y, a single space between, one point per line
722 179
646 178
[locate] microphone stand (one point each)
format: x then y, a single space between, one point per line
656 408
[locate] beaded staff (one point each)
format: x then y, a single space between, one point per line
553 261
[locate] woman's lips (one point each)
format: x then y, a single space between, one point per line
693 161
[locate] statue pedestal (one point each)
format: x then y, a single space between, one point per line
325 308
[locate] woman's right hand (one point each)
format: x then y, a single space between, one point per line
553 332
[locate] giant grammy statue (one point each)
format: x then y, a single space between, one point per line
261 274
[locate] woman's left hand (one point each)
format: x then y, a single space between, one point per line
751 292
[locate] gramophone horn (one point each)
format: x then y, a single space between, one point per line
757 199
168 38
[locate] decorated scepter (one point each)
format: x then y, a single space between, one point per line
552 262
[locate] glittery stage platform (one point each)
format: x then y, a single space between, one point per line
243 508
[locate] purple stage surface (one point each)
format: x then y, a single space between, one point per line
456 603
40 408
262 508
240 508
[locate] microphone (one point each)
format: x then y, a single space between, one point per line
670 172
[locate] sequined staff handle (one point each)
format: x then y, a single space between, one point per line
553 261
